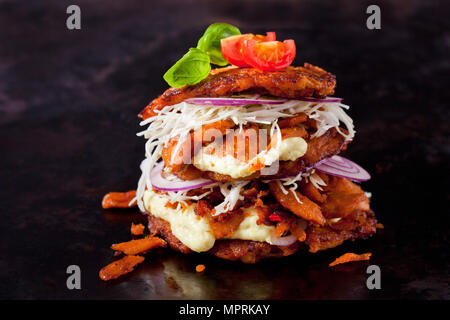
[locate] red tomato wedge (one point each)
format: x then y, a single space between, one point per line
271 36
231 47
269 55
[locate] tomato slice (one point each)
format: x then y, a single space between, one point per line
231 47
269 55
271 36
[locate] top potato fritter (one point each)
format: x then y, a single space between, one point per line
292 82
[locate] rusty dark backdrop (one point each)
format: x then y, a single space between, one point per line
68 105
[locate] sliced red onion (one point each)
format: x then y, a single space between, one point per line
327 99
232 101
283 241
316 164
344 168
335 166
253 100
161 183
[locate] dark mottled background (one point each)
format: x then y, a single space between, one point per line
68 105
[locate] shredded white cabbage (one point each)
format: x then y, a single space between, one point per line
178 120
316 180
232 193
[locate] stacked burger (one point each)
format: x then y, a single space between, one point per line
244 163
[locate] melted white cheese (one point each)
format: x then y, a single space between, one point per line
250 230
191 229
194 231
290 149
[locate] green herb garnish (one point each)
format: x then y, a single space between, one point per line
195 65
191 69
210 41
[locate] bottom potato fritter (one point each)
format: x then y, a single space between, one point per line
362 225
250 251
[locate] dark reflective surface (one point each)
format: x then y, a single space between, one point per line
68 105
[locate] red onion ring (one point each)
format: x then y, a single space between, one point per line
253 100
160 183
335 166
344 168
327 99
284 241
232 101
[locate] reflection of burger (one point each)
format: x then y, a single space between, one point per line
241 161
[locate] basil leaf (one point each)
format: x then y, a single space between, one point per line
192 68
210 41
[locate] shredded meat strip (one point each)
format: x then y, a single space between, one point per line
306 209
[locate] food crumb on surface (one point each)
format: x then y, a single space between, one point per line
137 229
120 267
119 200
349 257
200 268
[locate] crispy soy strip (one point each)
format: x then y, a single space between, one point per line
293 132
309 190
306 209
290 224
137 229
298 232
139 246
119 200
349 256
293 121
119 267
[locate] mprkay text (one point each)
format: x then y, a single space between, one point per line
237 309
